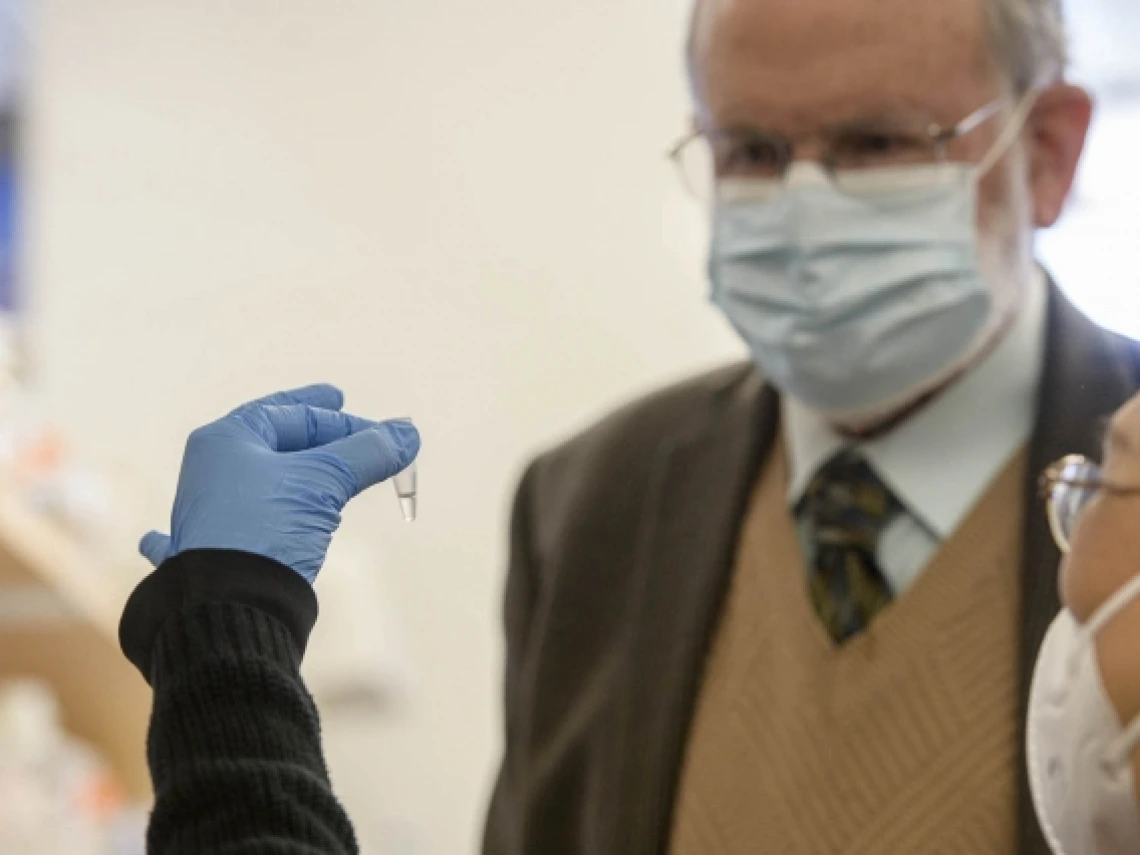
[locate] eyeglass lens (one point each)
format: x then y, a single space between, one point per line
849 155
1067 499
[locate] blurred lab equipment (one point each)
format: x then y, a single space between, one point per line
359 660
57 797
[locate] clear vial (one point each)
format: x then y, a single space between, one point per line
407 484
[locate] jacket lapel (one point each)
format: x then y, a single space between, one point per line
687 538
1088 374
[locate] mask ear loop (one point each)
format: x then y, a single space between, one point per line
1009 133
1120 751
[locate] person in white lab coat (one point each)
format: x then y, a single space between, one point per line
1084 709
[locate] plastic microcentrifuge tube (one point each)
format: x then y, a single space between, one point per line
406 484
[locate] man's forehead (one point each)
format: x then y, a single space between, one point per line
861 19
831 55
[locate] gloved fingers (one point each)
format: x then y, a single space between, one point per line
375 455
155 547
298 427
322 395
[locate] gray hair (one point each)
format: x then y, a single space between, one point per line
1027 39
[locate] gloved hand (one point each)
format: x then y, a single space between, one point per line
273 476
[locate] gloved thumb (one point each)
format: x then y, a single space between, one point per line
376 454
155 548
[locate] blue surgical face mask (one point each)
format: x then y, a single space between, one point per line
848 301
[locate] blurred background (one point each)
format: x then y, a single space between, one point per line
458 212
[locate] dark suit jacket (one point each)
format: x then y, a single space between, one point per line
621 552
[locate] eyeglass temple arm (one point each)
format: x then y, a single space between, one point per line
969 124
1049 480
675 150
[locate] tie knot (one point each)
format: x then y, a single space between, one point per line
847 497
844 512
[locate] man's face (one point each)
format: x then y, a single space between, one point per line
800 67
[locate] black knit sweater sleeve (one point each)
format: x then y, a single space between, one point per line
234 746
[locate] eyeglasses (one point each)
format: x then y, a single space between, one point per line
1067 487
705 157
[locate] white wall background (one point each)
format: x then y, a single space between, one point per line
458 211
1094 253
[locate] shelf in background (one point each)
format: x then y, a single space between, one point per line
73 647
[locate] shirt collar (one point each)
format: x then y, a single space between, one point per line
978 424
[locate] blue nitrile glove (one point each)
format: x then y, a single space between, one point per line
272 477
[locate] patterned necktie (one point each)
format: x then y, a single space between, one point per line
844 512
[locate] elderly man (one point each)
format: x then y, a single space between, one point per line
795 606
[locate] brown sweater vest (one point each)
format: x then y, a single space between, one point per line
901 741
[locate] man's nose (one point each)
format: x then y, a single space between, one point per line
809 150
804 172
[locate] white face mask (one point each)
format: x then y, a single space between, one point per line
1080 769
857 303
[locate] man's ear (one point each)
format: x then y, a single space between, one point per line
1057 128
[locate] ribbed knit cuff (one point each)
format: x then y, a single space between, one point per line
234 746
203 577
221 631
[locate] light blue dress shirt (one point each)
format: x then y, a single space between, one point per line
940 461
